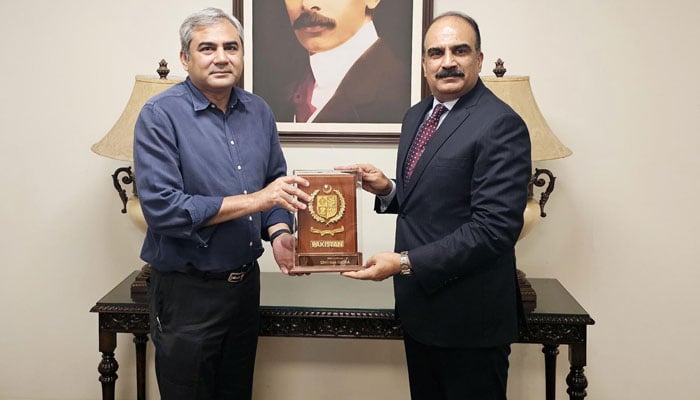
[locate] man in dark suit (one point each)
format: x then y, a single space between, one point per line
459 196
352 76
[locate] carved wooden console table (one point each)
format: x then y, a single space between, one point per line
291 307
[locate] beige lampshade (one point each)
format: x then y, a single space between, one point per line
516 92
119 141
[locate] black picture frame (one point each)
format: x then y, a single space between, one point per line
400 23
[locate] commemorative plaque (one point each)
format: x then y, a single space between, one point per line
326 231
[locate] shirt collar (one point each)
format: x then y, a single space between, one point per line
200 101
448 104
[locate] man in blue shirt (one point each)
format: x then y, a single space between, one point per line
212 183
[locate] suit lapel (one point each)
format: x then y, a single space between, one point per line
455 118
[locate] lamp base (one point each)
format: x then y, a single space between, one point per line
527 293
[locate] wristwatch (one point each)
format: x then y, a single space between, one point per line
405 266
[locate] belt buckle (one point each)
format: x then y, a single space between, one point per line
235 277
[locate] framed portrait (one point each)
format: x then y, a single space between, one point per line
342 73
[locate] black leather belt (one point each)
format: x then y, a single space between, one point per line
229 276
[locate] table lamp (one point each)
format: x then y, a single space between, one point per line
516 92
118 143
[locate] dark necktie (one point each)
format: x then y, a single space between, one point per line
427 130
302 98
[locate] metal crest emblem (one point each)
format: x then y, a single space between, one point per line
328 207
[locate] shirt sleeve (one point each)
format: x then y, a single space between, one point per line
385 201
168 209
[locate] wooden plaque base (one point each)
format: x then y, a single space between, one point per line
327 230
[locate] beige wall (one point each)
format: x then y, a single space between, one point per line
615 80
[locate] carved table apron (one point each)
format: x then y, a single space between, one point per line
329 306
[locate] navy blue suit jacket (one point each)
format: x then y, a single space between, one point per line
459 218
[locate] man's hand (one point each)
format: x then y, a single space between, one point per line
378 267
284 193
283 251
373 179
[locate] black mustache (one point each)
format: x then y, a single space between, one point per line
446 73
308 19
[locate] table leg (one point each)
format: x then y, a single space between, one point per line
577 379
140 340
550 370
108 365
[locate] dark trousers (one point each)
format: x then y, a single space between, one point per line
438 373
205 334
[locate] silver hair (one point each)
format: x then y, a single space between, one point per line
207 17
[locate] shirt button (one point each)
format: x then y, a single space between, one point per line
239 167
245 192
251 244
250 218
231 142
